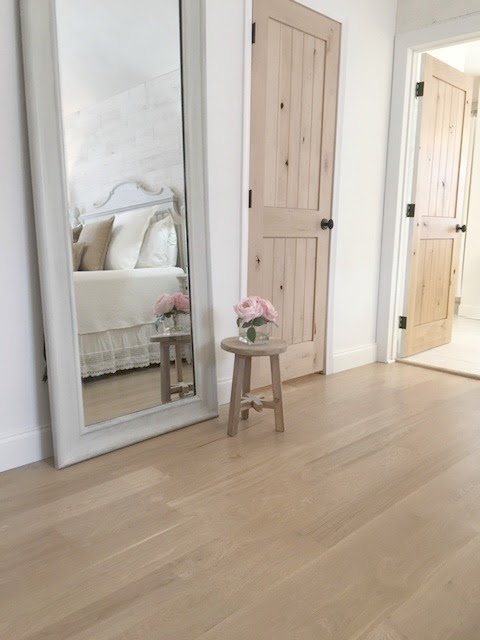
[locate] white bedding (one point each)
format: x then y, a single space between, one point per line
121 299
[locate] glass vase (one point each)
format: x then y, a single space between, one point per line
173 324
261 334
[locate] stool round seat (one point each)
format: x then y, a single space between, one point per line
273 347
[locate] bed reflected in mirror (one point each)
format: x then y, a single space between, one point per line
123 145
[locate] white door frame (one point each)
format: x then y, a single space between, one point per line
247 94
399 174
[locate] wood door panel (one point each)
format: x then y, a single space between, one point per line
440 185
295 91
435 261
271 107
278 287
296 104
283 106
309 304
290 285
294 96
447 144
287 319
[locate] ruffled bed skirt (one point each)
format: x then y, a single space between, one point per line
119 349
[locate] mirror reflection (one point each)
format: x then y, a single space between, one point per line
120 85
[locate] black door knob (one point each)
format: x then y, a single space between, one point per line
461 227
326 224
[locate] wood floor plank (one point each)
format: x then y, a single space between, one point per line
359 522
445 607
370 571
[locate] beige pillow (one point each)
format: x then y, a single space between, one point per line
77 252
76 231
96 237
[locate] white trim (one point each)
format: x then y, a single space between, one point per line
26 447
402 122
354 358
72 441
333 256
245 182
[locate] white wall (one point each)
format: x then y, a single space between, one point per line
225 50
414 14
23 395
363 117
133 135
464 56
129 42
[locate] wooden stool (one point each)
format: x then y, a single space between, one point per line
241 400
166 341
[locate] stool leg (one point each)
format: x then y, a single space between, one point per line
277 393
165 372
236 396
178 365
246 383
178 362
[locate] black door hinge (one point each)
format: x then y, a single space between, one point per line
402 323
254 32
420 86
250 199
410 210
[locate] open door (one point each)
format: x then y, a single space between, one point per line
439 192
295 58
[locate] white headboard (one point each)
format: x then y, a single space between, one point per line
128 196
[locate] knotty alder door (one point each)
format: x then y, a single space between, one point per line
439 193
295 58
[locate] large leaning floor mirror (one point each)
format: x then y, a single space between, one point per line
116 123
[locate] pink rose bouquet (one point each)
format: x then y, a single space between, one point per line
254 312
168 306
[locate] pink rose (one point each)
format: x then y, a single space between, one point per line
182 302
164 305
248 309
268 310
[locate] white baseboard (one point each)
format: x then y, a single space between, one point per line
36 444
469 311
223 389
354 358
24 448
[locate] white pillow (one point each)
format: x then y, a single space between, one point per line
159 247
127 236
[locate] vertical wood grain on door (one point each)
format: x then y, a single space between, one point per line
294 100
439 192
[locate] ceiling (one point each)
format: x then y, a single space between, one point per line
464 57
109 46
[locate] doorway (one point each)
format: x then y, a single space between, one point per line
458 349
461 353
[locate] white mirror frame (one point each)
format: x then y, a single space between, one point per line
73 441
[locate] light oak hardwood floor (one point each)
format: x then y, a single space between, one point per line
361 521
117 395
